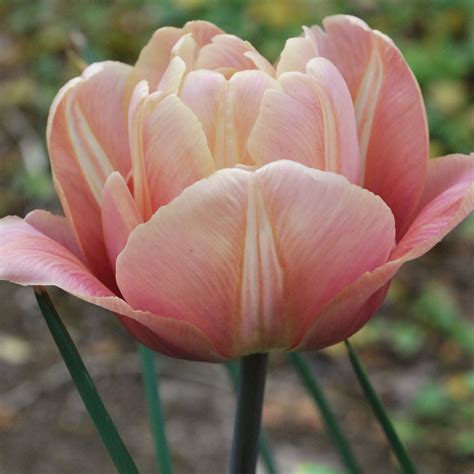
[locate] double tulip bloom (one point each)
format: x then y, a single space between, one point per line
221 206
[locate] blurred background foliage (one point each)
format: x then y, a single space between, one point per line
420 349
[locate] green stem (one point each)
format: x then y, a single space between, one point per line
379 411
151 381
333 429
253 369
85 386
263 443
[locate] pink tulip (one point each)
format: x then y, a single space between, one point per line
221 206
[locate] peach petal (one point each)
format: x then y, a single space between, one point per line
228 52
328 232
296 55
119 215
157 54
28 257
311 121
349 310
174 149
251 246
171 81
391 117
56 228
136 114
87 140
448 199
227 110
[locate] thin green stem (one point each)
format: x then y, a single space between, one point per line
378 409
151 381
85 386
263 443
333 429
253 370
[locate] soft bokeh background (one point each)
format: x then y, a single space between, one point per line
419 349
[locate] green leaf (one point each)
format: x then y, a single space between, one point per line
151 380
332 426
85 386
379 411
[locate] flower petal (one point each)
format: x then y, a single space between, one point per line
28 257
156 55
391 118
296 55
56 228
328 233
174 149
87 140
312 121
229 53
227 110
248 257
345 314
447 199
119 215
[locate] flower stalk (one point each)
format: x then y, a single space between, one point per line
85 386
333 429
266 454
253 369
406 464
151 382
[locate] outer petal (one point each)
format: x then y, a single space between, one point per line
391 118
119 215
249 257
56 228
448 198
312 121
28 257
227 110
87 140
349 310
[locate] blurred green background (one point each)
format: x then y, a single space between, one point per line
419 350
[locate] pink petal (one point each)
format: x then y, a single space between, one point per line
228 52
227 110
119 215
296 55
391 118
250 257
28 257
174 149
311 121
170 83
56 228
447 199
156 55
328 233
136 113
345 314
87 140
202 31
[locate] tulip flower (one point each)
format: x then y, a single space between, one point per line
221 206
